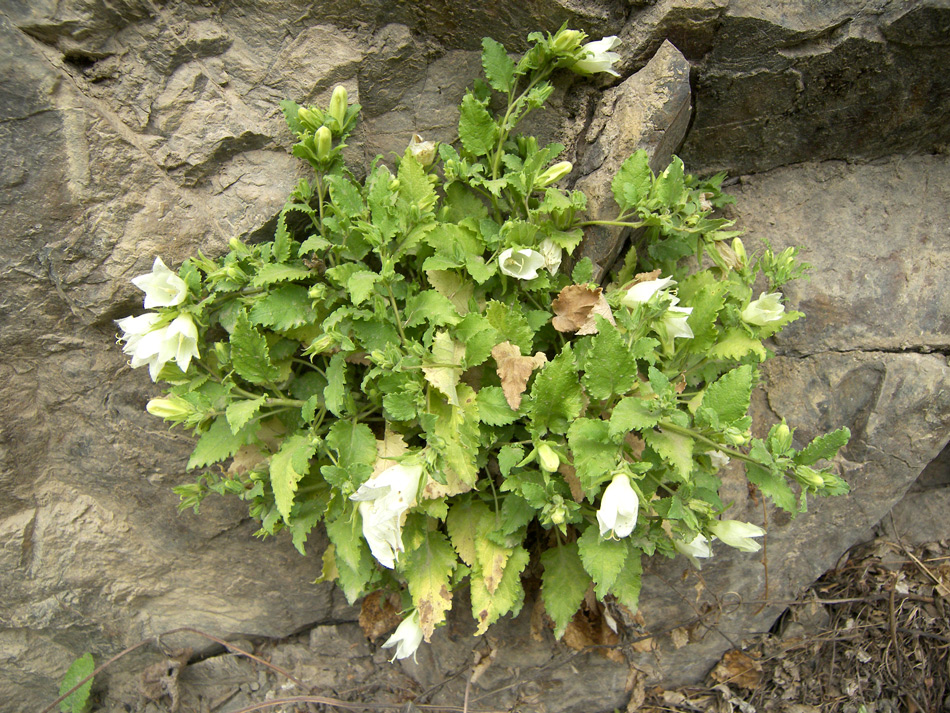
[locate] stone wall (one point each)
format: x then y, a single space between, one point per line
138 128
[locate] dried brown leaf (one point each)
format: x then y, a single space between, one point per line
514 370
680 637
573 482
379 614
576 307
738 669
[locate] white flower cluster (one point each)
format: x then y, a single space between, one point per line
673 322
150 339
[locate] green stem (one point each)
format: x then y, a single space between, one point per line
392 303
618 223
731 452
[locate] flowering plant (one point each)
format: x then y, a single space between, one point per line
412 362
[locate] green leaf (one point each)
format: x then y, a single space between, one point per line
304 517
498 66
633 181
595 455
239 413
216 444
78 701
453 287
414 184
773 486
511 324
428 571
345 196
335 391
457 435
632 414
269 274
563 584
462 523
493 408
354 443
556 395
287 467
478 336
509 456
674 448
824 447
669 185
730 394
736 344
283 309
361 284
609 368
603 559
444 370
627 586
488 607
249 353
351 554
432 307
476 127
403 405
583 271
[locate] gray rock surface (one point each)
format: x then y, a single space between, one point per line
134 128
648 111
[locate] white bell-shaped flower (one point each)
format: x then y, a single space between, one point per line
698 547
642 292
162 287
383 501
599 57
406 638
738 534
522 264
768 308
619 507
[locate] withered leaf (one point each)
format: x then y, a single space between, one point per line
514 370
379 614
739 669
576 307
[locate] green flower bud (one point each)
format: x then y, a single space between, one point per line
567 41
809 477
781 437
320 344
553 174
338 105
547 458
222 352
309 117
739 249
323 140
173 408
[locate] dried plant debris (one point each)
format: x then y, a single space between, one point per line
871 636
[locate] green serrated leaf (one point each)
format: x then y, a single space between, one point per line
354 444
633 181
773 485
284 308
824 447
249 353
499 67
444 369
730 394
78 701
603 559
556 395
736 344
428 572
335 391
430 306
269 274
511 324
674 448
493 408
632 414
476 127
238 413
453 287
345 196
216 444
509 456
508 596
287 467
462 523
595 455
361 285
563 584
351 555
609 368
627 585
583 271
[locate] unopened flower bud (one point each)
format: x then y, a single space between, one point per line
221 352
320 344
553 174
421 150
323 140
809 477
566 41
309 117
739 249
547 458
781 437
173 408
338 104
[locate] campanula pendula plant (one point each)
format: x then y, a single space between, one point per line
411 364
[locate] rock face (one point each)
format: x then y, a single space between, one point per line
130 129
